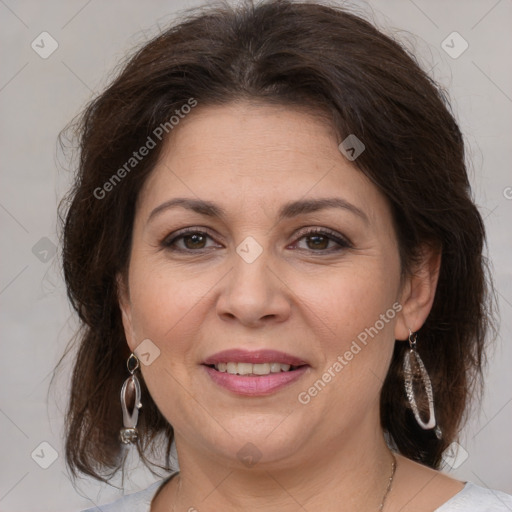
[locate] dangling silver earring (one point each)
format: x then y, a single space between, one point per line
129 433
409 378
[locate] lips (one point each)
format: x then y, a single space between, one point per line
252 384
254 357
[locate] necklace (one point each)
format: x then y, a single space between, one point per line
390 482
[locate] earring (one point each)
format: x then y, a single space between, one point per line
129 433
409 377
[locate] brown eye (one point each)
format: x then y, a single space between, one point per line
195 241
317 242
322 241
189 240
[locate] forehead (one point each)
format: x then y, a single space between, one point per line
253 153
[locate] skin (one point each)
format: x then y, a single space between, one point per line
303 295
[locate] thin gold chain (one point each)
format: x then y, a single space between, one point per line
390 483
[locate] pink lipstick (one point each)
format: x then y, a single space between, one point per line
254 373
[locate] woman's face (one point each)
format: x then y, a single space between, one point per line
289 248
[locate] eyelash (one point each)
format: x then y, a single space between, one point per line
342 242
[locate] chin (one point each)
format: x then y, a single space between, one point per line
268 442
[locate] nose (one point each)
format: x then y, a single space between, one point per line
254 295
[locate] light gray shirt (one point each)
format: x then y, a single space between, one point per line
472 498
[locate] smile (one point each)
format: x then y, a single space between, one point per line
252 370
254 373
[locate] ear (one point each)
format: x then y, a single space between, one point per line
418 292
123 295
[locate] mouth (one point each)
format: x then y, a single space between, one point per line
253 370
254 373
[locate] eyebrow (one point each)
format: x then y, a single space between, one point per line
287 211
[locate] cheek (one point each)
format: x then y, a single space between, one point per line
167 305
155 292
352 315
344 303
355 334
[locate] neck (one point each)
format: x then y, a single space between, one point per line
352 472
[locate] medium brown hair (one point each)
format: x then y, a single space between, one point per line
301 55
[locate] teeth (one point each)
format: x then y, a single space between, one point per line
261 369
243 368
275 367
252 369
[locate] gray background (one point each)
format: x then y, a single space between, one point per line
39 96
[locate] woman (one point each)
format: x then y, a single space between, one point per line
273 249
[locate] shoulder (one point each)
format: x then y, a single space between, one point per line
474 498
139 501
422 488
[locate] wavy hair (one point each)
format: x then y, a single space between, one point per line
302 55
